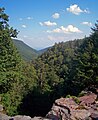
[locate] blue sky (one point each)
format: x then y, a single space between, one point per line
44 22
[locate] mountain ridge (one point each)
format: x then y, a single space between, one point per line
27 53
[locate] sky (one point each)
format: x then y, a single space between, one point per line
42 23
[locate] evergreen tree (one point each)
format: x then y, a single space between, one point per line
9 57
16 77
86 72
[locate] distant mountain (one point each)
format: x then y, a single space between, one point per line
43 50
25 51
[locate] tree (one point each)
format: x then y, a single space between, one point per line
11 78
86 71
9 57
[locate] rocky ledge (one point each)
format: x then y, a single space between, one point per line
81 108
20 117
72 108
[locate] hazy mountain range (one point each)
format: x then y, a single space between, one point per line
26 51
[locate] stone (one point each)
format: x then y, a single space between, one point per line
40 118
88 99
20 117
80 115
1 108
67 102
94 116
37 118
4 117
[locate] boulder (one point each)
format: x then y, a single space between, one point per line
88 99
80 115
61 109
68 103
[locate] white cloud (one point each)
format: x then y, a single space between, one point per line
67 30
72 28
75 9
87 23
56 15
24 26
29 18
47 23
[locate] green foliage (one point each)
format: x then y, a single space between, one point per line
87 67
30 77
81 94
26 52
74 98
16 77
68 96
54 66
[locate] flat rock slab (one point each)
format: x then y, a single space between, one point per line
20 117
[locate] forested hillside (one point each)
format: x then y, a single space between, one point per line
68 68
31 88
26 52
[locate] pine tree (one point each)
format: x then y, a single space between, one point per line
9 57
11 78
86 74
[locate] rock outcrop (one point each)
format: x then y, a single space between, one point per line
82 108
20 117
